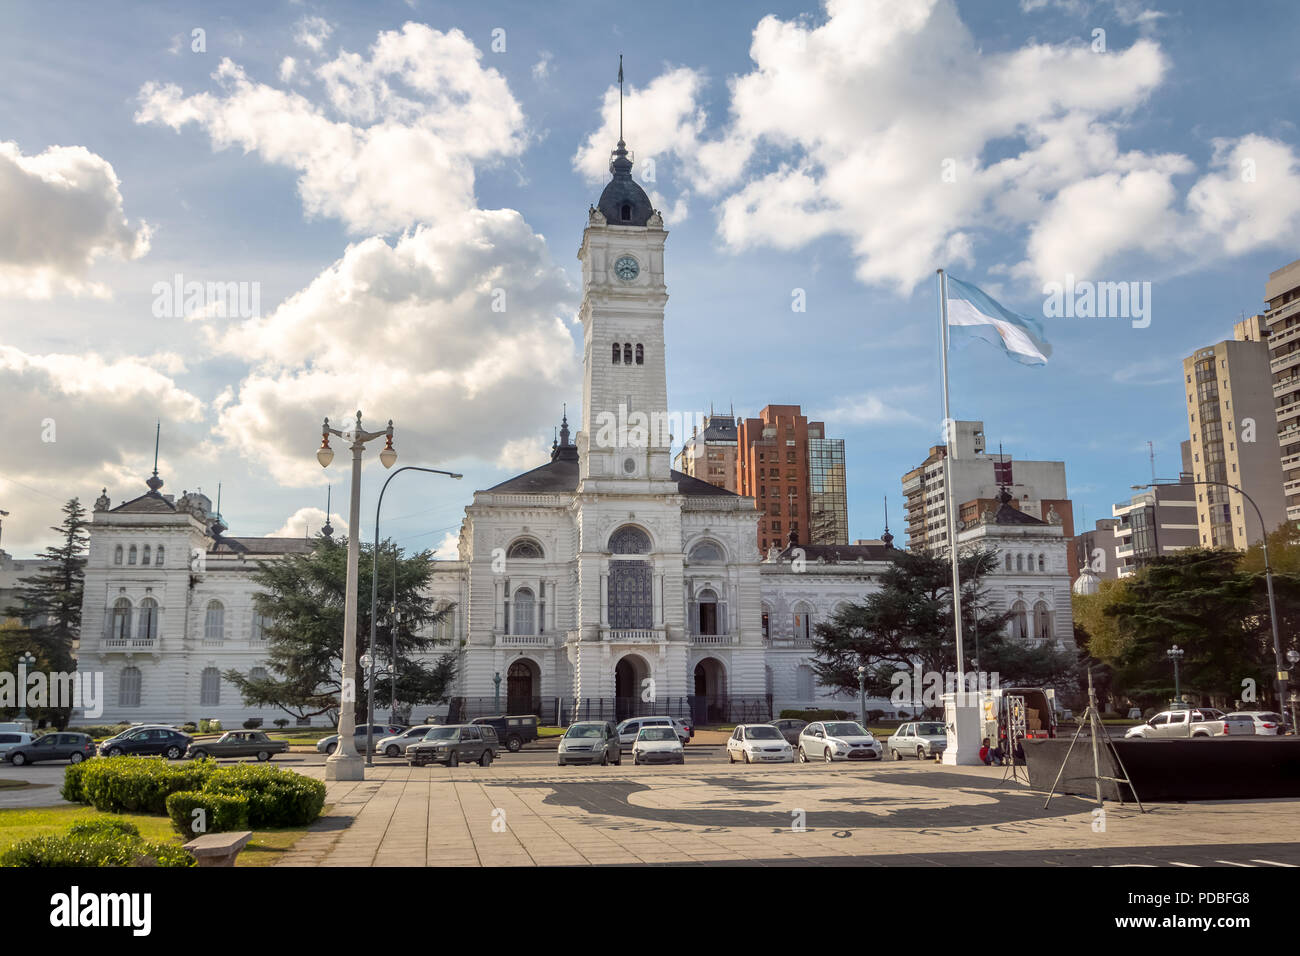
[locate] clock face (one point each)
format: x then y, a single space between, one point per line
626 268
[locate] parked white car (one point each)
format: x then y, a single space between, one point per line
1268 723
658 744
1196 722
8 741
629 729
758 743
832 740
395 745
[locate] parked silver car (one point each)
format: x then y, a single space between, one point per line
837 740
1196 722
1268 723
327 745
8 741
590 741
922 739
395 745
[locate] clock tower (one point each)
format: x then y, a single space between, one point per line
624 441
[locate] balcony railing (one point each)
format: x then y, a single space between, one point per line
525 640
631 636
714 640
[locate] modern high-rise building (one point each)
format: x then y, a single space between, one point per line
710 454
795 474
1036 487
1234 439
1279 328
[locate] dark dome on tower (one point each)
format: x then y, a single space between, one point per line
624 203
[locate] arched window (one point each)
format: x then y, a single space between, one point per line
627 353
1042 563
128 687
629 539
1042 621
258 673
117 555
119 626
1020 562
210 689
131 555
524 603
625 212
158 557
640 354
144 557
804 685
767 624
618 353
525 548
705 551
445 628
214 622
148 628
260 624
1019 620
1008 560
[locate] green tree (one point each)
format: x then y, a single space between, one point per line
1200 600
303 596
909 622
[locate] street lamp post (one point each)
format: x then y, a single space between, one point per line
496 695
374 575
1293 657
1281 674
1175 654
862 693
344 763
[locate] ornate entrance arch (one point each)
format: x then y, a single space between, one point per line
631 672
523 686
710 688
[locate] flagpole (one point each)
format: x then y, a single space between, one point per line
950 439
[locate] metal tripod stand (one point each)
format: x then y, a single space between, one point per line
1096 729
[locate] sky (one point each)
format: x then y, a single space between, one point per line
387 200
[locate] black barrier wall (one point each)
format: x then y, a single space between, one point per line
1217 768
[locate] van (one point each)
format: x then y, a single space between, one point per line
514 731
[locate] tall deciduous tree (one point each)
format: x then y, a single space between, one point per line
303 596
909 622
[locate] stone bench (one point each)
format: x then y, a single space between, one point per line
218 849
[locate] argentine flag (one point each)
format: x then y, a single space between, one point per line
974 313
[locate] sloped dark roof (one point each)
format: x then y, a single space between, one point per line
243 545
842 553
561 476
149 503
1009 515
622 191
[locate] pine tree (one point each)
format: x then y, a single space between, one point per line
50 600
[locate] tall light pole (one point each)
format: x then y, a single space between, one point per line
374 585
862 693
1279 670
344 763
1175 654
3 515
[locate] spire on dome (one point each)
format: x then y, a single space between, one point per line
564 449
624 202
327 531
887 538
155 482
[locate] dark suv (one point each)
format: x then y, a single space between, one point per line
456 744
515 731
147 741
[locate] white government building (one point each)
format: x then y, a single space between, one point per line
602 582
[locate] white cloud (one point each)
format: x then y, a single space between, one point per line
411 331
871 409
542 68
448 548
312 32
397 143
1252 198
287 67
62 211
309 521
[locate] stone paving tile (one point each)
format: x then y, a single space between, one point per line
897 814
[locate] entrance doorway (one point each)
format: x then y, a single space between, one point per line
521 687
631 675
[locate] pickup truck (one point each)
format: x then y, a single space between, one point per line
239 743
1196 722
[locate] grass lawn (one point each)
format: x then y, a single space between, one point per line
302 736
264 849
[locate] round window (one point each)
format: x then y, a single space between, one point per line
629 466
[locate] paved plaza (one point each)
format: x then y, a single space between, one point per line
884 814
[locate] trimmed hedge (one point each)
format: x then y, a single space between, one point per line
276 798
72 790
221 812
139 784
103 826
93 849
273 797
